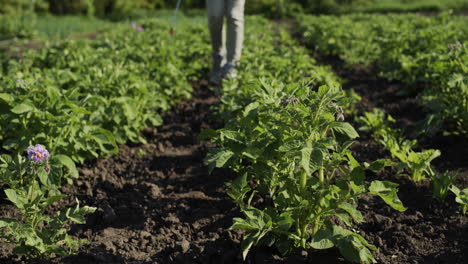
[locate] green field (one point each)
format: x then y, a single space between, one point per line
307 167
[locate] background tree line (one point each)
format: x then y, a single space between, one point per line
270 8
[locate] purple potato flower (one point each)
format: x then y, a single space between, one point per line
140 29
38 153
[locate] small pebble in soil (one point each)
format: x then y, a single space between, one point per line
185 245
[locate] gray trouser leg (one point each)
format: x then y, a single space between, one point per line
234 12
216 10
235 29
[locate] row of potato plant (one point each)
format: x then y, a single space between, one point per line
286 138
80 99
430 53
416 165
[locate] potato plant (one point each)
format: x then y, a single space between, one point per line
418 164
298 181
33 185
461 197
290 144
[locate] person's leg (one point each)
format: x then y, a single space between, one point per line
235 30
216 12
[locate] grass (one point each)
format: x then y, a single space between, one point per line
55 28
50 27
59 27
387 6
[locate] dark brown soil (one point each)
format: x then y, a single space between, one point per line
158 204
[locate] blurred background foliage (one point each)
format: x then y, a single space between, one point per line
27 18
271 8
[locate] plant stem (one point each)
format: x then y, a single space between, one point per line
298 229
304 232
303 181
320 176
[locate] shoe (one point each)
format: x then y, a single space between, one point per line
216 71
215 78
229 71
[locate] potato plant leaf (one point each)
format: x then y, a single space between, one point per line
344 129
388 192
380 164
323 239
22 108
217 158
352 211
69 164
16 198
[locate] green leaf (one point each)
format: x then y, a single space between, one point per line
22 108
43 176
216 158
231 135
455 190
87 210
388 192
6 159
250 107
352 161
352 249
344 129
21 250
284 246
283 221
289 146
348 249
352 211
53 199
378 165
106 141
77 214
344 217
323 90
250 239
351 245
71 242
6 97
323 239
35 241
242 224
461 195
257 224
316 158
4 222
76 109
129 108
238 188
68 163
16 198
357 175
305 159
207 133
